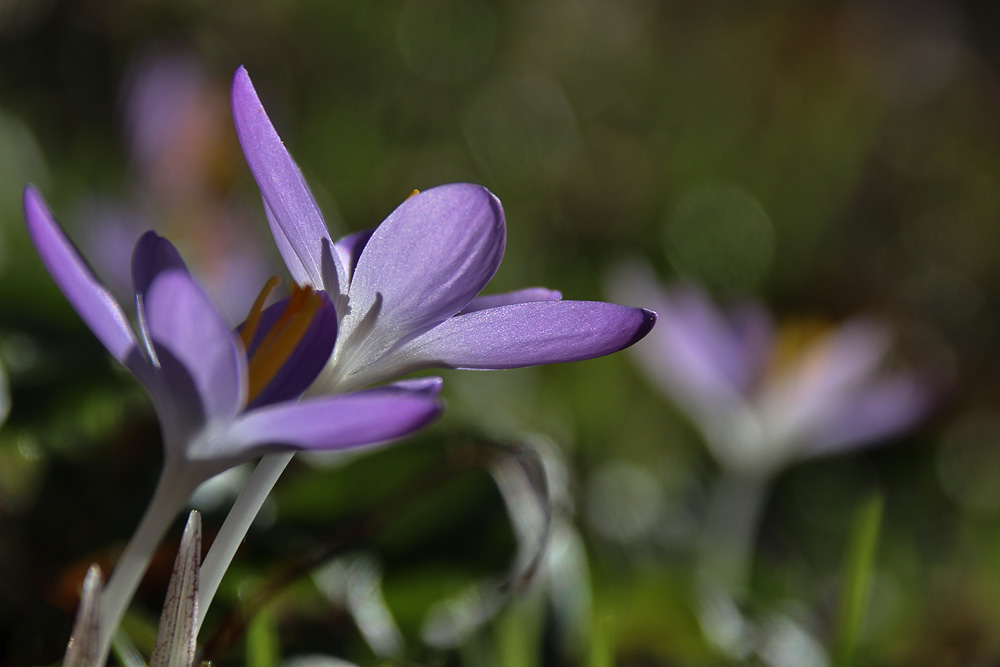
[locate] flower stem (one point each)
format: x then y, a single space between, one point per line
235 528
735 509
173 490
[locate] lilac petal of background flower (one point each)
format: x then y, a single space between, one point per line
877 411
526 334
95 306
694 354
285 191
829 372
333 422
171 113
509 298
425 262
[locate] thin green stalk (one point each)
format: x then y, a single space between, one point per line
735 509
262 641
858 568
602 644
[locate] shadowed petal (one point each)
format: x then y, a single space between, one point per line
84 642
423 264
525 334
300 226
175 638
305 362
152 256
329 423
184 324
350 247
95 306
520 296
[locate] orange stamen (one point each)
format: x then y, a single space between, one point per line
253 319
282 339
415 192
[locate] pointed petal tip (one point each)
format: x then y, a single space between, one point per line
31 194
242 93
649 318
36 211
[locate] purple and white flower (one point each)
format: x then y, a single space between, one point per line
406 293
222 397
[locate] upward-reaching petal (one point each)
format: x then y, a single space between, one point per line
95 305
300 226
423 264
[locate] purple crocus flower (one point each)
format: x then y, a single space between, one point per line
763 396
406 292
222 397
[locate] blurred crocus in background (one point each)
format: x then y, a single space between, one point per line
763 396
185 160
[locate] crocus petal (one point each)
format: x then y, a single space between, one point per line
809 392
296 269
520 296
84 643
96 307
349 248
186 328
525 334
877 411
328 423
153 255
427 385
285 191
305 362
175 637
423 264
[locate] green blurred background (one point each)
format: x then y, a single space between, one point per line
828 158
